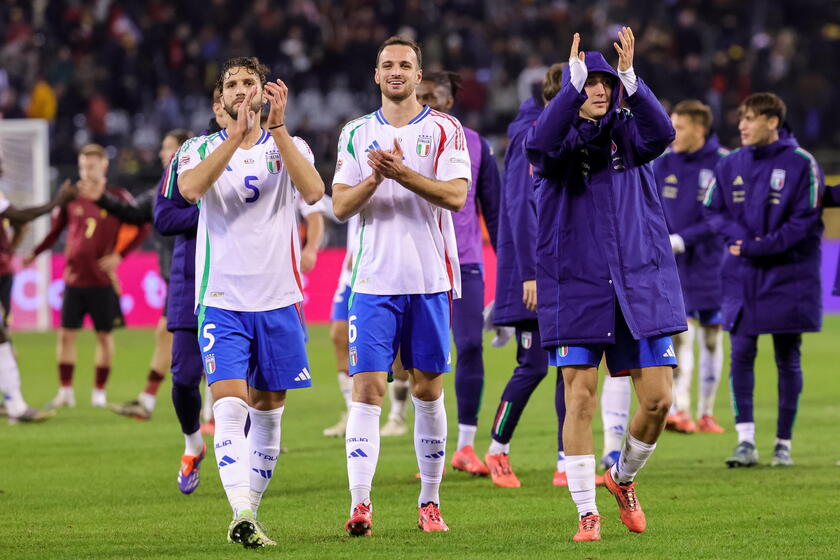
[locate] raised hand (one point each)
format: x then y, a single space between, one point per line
278 97
580 55
625 51
245 117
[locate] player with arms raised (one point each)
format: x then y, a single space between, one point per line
247 254
403 169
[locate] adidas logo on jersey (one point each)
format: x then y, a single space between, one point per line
669 353
373 146
357 454
738 180
303 375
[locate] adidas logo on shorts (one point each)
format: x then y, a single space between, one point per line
303 375
669 353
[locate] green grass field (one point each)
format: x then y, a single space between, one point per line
89 484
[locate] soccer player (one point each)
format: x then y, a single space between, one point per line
248 251
438 91
607 282
765 203
14 405
94 249
683 173
174 216
139 213
402 168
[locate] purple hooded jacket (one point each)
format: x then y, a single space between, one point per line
175 216
602 237
769 197
516 247
682 179
832 199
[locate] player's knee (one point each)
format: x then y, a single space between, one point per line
656 406
426 392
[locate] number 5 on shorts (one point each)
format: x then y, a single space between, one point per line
352 331
205 332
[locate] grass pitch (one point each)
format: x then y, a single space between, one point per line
89 484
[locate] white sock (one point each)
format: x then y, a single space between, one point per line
786 442
362 447
193 444
345 383
580 472
147 400
207 407
398 391
496 448
684 345
430 446
746 432
264 445
232 451
466 435
10 381
711 368
561 461
615 411
633 457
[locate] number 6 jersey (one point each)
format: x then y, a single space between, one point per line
247 247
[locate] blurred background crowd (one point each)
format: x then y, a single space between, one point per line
122 72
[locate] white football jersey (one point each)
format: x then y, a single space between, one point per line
247 246
406 245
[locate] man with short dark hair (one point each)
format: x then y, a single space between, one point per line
683 173
765 204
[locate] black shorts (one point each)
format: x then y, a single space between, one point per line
101 303
6 281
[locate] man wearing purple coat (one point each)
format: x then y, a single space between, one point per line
607 282
683 173
438 90
765 204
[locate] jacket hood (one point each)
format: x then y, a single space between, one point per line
595 62
529 111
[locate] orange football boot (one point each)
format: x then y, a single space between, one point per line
589 528
500 471
429 519
466 460
629 508
361 522
709 425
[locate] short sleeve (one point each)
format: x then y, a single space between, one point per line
304 148
191 153
347 168
454 161
306 209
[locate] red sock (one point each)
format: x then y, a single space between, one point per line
65 374
153 382
102 373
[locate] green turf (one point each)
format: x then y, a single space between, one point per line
89 484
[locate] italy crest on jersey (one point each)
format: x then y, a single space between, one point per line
777 179
424 145
272 161
210 364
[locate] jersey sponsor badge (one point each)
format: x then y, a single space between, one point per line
210 364
272 161
527 339
424 145
777 179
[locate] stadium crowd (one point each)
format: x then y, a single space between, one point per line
122 73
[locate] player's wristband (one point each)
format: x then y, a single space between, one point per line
276 126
